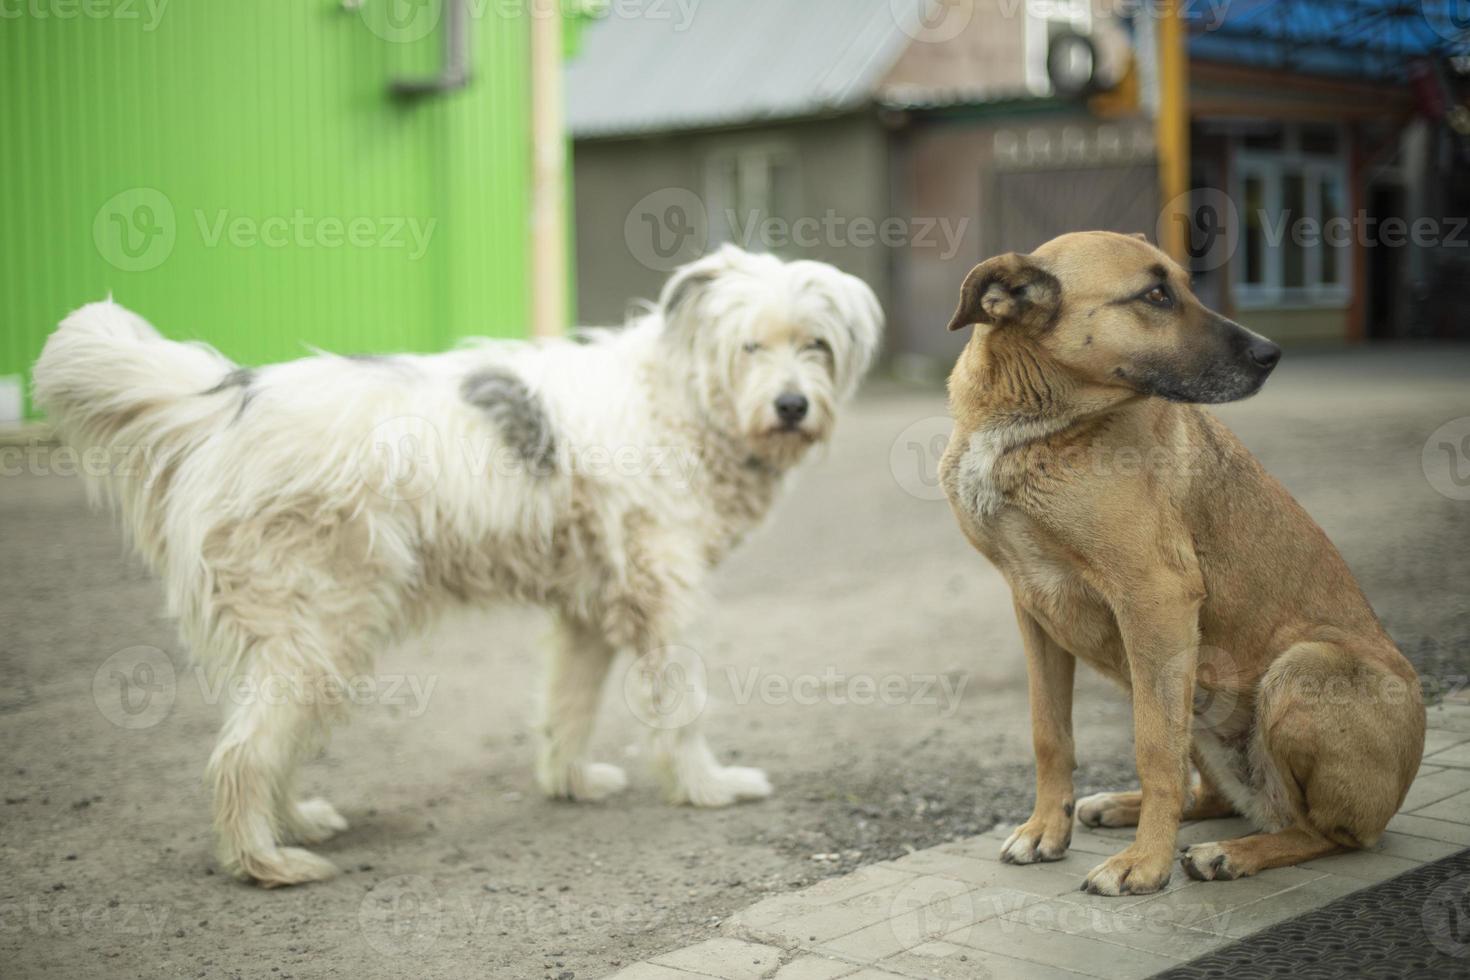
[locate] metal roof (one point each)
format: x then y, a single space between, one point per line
1356 38
647 67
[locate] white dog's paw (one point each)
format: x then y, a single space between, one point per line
313 821
597 781
585 782
723 786
282 866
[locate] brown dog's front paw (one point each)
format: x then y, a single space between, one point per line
1210 862
1039 839
1129 872
1110 809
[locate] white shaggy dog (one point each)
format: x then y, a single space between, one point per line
306 514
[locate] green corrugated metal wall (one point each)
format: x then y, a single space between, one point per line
237 134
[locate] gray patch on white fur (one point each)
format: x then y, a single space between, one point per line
392 363
517 412
238 378
241 378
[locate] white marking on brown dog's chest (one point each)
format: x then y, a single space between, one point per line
978 481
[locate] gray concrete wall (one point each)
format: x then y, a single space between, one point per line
635 200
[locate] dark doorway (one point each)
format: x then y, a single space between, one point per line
1385 273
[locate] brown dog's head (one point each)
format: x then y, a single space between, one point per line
1113 310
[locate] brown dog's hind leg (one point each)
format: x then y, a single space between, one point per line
1227 860
1339 737
1344 733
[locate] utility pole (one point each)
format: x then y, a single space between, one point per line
1171 124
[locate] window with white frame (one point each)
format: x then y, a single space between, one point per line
1295 237
747 186
1045 19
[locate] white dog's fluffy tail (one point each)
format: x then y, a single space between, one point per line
126 400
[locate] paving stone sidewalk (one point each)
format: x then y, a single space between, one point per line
955 911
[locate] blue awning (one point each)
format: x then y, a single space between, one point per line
1376 39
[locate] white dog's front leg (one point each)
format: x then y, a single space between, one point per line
666 690
579 663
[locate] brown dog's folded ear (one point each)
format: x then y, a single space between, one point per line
1008 289
1141 236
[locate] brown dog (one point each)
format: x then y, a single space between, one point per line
1139 536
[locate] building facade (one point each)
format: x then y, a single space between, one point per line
946 130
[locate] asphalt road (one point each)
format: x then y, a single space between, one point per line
857 648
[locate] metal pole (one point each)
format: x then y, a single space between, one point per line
549 285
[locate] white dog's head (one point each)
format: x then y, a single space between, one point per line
771 348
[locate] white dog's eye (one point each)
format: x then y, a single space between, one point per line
751 347
820 345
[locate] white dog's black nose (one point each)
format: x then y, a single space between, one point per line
791 408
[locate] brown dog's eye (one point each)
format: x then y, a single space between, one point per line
1158 296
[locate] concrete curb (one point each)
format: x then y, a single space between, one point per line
955 911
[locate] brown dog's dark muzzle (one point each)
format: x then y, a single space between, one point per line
1226 364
